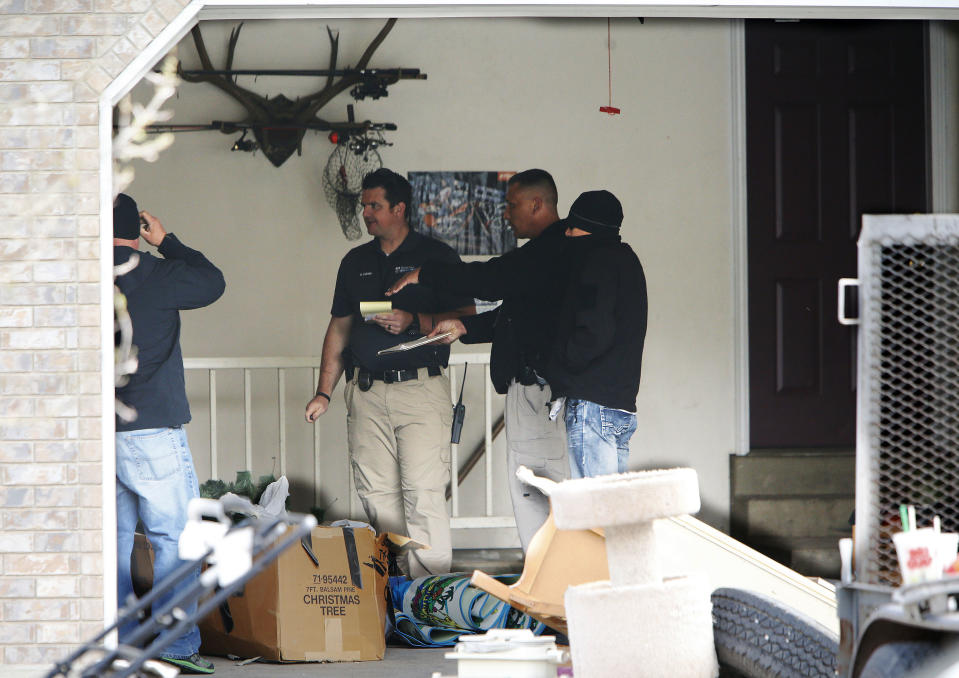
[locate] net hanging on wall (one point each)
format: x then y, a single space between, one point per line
350 161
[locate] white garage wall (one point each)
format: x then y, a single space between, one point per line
501 94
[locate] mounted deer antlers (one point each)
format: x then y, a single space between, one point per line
279 123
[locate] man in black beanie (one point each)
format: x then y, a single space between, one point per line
155 474
598 352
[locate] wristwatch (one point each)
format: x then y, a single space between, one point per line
414 327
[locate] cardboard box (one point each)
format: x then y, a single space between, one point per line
555 560
300 608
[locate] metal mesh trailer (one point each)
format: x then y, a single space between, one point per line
907 440
907 449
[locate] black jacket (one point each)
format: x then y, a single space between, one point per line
156 291
529 280
598 352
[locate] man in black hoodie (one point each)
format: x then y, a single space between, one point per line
155 474
598 353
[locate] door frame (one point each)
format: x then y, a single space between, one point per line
940 137
738 219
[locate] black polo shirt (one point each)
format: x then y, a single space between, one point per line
365 274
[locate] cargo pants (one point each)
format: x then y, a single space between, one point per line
399 439
535 441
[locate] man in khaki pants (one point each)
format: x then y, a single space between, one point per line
398 405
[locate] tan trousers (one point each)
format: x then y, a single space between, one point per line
532 440
399 438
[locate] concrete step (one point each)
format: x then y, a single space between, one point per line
490 561
794 505
798 517
784 473
810 556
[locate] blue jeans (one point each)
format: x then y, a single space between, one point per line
598 438
155 482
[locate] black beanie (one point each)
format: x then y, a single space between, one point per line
596 212
126 218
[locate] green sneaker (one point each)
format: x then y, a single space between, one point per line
192 664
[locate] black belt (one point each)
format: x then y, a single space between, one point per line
395 376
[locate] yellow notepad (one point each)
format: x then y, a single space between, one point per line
370 308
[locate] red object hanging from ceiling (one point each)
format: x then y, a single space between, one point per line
610 110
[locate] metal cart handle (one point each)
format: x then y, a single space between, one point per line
843 284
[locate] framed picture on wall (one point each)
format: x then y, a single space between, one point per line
463 209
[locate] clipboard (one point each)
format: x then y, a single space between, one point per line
409 345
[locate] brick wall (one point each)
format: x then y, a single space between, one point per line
56 57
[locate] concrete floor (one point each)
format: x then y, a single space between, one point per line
399 662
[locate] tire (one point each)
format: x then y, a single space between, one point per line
757 637
899 659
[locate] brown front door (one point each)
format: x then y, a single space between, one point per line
836 127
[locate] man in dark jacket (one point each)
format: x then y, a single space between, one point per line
598 352
155 474
527 279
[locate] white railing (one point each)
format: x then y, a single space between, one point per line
281 366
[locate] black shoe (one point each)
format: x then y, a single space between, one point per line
192 664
